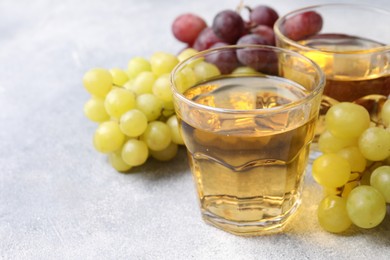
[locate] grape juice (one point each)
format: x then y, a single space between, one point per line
362 77
248 170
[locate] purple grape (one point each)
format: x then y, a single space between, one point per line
265 61
263 15
252 39
229 26
225 60
303 25
205 39
266 32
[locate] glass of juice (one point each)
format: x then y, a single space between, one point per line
247 115
351 44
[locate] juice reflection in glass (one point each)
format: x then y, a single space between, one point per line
247 116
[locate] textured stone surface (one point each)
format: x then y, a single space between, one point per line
59 199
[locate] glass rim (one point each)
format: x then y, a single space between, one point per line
319 86
279 34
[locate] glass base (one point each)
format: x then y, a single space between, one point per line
251 228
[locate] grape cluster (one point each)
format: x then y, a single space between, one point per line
354 167
134 110
228 27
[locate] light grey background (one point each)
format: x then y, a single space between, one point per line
59 199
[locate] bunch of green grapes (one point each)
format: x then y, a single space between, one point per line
354 168
134 110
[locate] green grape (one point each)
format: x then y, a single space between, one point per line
98 82
169 105
175 131
162 63
137 65
157 135
331 170
133 123
366 207
129 84
380 179
374 143
166 154
118 101
385 113
328 143
94 110
347 120
185 79
246 71
117 162
348 187
355 158
108 137
186 53
150 105
143 83
135 152
204 70
167 113
332 214
119 76
162 88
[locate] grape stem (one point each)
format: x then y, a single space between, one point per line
241 6
369 169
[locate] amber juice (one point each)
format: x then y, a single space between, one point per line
248 171
354 72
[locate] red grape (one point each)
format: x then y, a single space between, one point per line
205 39
264 60
266 32
186 27
263 15
225 60
228 25
303 25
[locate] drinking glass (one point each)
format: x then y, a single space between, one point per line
350 43
247 115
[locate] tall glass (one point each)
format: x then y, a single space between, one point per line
351 44
247 116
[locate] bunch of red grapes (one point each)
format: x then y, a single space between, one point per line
229 27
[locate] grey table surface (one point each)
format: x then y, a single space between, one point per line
60 199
